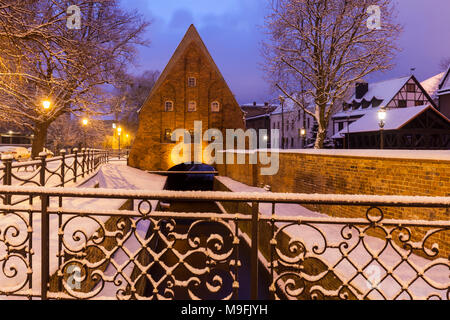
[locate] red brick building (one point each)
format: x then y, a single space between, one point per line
191 88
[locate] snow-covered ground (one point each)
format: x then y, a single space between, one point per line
438 276
112 176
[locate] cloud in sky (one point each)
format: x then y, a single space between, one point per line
231 29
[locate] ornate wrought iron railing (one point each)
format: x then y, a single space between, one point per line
55 172
141 252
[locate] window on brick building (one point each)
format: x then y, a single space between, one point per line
192 82
215 106
168 107
192 106
167 135
410 87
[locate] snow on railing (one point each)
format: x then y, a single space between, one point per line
326 199
55 172
147 251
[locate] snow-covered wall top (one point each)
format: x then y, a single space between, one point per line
442 155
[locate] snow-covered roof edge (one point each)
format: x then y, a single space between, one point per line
446 77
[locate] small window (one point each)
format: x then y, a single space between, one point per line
192 82
169 106
419 103
340 126
215 106
410 87
402 103
168 135
192 106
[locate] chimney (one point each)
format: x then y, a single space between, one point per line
254 103
361 89
266 104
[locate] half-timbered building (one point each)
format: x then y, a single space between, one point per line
444 94
357 125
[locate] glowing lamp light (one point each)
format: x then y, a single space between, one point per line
382 114
46 104
302 132
85 122
119 130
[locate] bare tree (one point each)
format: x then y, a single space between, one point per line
44 60
130 97
318 49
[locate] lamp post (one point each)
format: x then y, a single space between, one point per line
85 123
119 133
381 118
282 99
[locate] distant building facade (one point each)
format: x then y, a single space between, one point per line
13 135
290 119
257 117
191 88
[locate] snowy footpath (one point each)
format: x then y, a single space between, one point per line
116 175
438 276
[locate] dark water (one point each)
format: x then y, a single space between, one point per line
203 231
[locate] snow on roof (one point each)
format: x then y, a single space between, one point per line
290 106
431 85
383 90
395 119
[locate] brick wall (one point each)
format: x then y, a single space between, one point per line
339 174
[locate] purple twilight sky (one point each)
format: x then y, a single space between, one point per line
232 31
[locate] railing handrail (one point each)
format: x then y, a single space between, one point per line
300 198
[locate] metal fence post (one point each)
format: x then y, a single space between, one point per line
63 171
83 162
7 179
88 160
43 156
45 245
254 252
92 160
75 164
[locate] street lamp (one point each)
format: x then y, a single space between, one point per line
46 104
302 133
381 118
119 132
85 123
282 99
